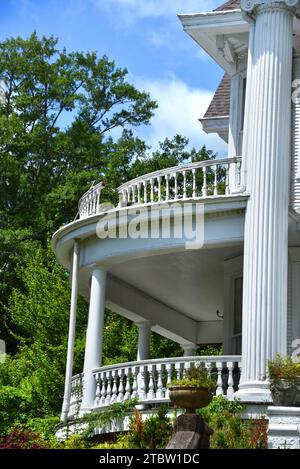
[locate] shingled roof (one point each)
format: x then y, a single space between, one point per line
220 104
230 5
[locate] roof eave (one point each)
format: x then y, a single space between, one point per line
205 27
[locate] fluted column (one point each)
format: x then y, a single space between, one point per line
94 337
266 149
71 336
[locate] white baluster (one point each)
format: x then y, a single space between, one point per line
239 173
167 187
133 194
230 389
169 378
127 384
160 391
115 387
159 188
134 393
184 184
151 190
98 389
103 390
227 190
215 180
139 192
108 389
208 366
194 182
204 186
175 186
219 390
241 371
178 368
120 397
142 383
145 191
151 392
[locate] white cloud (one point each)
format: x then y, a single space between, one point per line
155 8
179 109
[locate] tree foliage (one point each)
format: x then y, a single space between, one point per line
66 120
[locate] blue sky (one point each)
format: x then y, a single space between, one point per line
146 37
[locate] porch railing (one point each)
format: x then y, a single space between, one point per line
147 380
187 181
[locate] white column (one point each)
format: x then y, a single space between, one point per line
143 352
71 337
266 149
189 350
94 337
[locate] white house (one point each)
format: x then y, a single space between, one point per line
240 285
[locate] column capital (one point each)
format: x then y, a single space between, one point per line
250 5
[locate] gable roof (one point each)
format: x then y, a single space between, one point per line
220 104
230 5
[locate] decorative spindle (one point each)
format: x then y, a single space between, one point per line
127 384
184 184
108 389
169 378
98 389
134 393
159 188
175 186
204 187
151 392
167 187
194 182
151 190
219 391
145 191
103 390
159 392
142 383
227 189
230 389
115 387
215 180
139 192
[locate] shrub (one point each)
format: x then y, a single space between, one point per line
152 433
20 438
230 430
283 368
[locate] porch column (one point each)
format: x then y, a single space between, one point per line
143 352
266 149
189 350
71 337
94 337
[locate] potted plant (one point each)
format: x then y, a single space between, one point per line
194 391
284 374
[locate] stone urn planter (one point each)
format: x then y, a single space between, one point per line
284 376
190 397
